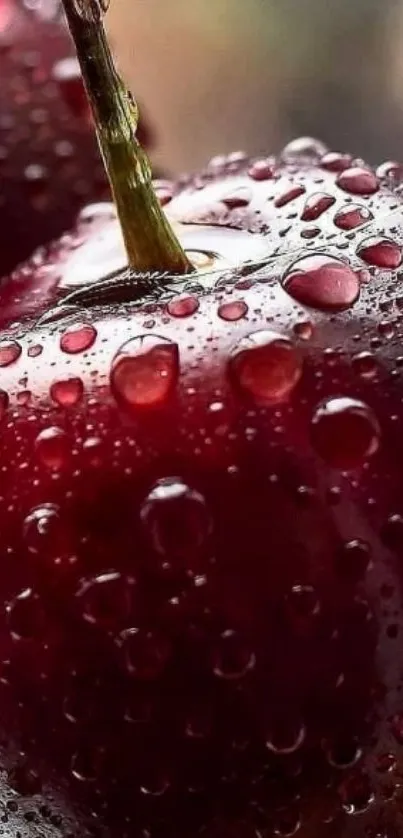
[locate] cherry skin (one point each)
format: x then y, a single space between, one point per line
201 509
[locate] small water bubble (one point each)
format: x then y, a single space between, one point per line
354 559
358 181
10 350
25 780
232 656
345 432
77 338
261 170
145 371
290 194
302 602
316 205
365 365
322 282
232 311
385 763
304 149
86 764
265 366
392 532
43 529
25 616
352 216
145 654
106 600
52 448
286 737
35 350
184 305
382 253
343 753
67 392
176 519
356 794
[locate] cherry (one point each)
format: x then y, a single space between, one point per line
201 495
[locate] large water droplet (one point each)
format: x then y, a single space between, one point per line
265 366
358 181
322 282
77 338
382 253
184 305
304 149
176 519
352 216
316 205
67 392
105 601
334 161
145 654
232 657
10 350
289 195
145 371
234 310
345 432
51 446
261 170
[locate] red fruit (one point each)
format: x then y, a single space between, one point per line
49 161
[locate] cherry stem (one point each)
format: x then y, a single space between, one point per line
150 241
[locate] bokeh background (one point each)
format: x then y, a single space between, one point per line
211 76
219 74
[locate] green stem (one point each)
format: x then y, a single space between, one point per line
150 242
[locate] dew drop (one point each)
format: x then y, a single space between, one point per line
52 447
286 737
184 305
232 311
392 532
35 350
304 149
322 282
145 654
10 350
102 211
105 601
265 366
145 371
25 780
345 432
334 161
302 602
352 216
385 763
358 181
261 170
176 519
382 253
77 338
42 529
238 198
67 392
25 616
365 365
232 657
356 794
289 195
344 754
354 559
390 170
316 205
303 330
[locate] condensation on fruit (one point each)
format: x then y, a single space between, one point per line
184 305
265 366
67 392
316 205
365 365
233 310
345 432
52 448
352 216
322 282
42 528
176 519
77 338
145 371
304 150
381 253
10 351
358 181
106 600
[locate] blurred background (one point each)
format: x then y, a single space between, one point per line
210 75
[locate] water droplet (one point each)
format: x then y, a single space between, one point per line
322 282
25 616
303 330
334 161
354 559
289 195
365 365
25 780
392 532
106 600
176 519
86 764
232 657
356 794
352 216
10 350
310 232
232 311
286 736
238 198
344 754
261 170
316 205
386 763
145 654
145 371
390 170
92 451
345 432
303 602
42 529
183 305
35 350
52 447
304 149
67 392
358 181
382 253
78 338
287 822
36 178
265 366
